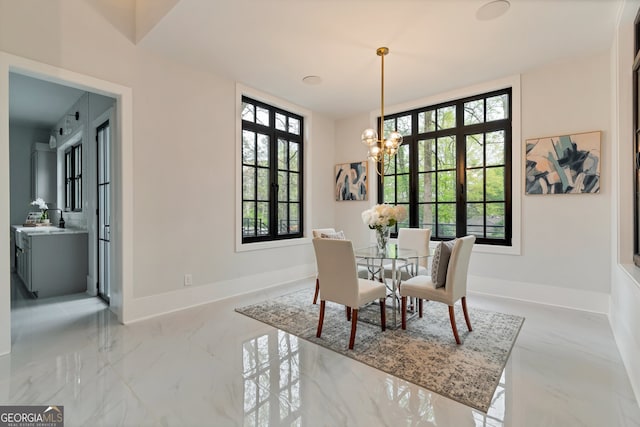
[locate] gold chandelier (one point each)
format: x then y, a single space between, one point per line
381 150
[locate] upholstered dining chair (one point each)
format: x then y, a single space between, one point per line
339 282
416 239
447 291
317 234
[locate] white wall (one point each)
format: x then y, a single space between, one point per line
565 238
21 139
183 151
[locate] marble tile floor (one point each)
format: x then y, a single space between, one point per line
209 366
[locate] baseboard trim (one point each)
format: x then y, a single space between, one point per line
576 299
168 302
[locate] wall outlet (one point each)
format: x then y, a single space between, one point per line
188 280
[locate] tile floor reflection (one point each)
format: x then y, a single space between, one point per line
211 366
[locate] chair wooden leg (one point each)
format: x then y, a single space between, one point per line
452 317
315 296
354 322
321 319
404 313
383 314
466 313
348 311
419 307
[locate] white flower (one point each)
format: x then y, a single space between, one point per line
384 215
40 203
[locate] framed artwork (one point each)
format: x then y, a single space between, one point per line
563 164
351 181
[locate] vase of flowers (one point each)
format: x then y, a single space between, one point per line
40 203
381 218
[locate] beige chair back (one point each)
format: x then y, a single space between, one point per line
416 239
317 232
456 284
337 271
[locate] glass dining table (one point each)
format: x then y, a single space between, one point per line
392 259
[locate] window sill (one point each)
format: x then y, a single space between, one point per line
246 247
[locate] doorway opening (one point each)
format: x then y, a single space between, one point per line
120 261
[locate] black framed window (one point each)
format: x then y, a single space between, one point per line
272 172
636 144
73 178
453 170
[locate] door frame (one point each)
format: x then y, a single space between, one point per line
107 117
122 149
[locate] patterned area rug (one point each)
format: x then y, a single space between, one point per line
425 353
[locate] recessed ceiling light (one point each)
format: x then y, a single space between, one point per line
312 80
492 10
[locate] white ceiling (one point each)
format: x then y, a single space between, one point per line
38 103
435 45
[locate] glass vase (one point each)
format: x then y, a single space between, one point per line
382 238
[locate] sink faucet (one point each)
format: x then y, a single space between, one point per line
61 221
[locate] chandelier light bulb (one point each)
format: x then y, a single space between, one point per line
396 139
370 137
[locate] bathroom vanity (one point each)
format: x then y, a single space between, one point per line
51 261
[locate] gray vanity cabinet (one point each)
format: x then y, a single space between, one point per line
55 263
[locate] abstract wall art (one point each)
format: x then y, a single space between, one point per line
563 164
351 181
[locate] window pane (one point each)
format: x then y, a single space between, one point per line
248 219
248 112
294 217
403 188
475 185
475 219
474 112
446 186
426 217
262 116
446 220
389 166
446 151
389 189
427 121
281 121
497 107
426 155
283 186
294 126
495 184
389 126
475 155
294 156
263 184
495 148
446 117
294 187
405 223
262 219
426 187
402 159
283 218
248 147
263 150
283 162
495 220
404 125
248 183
